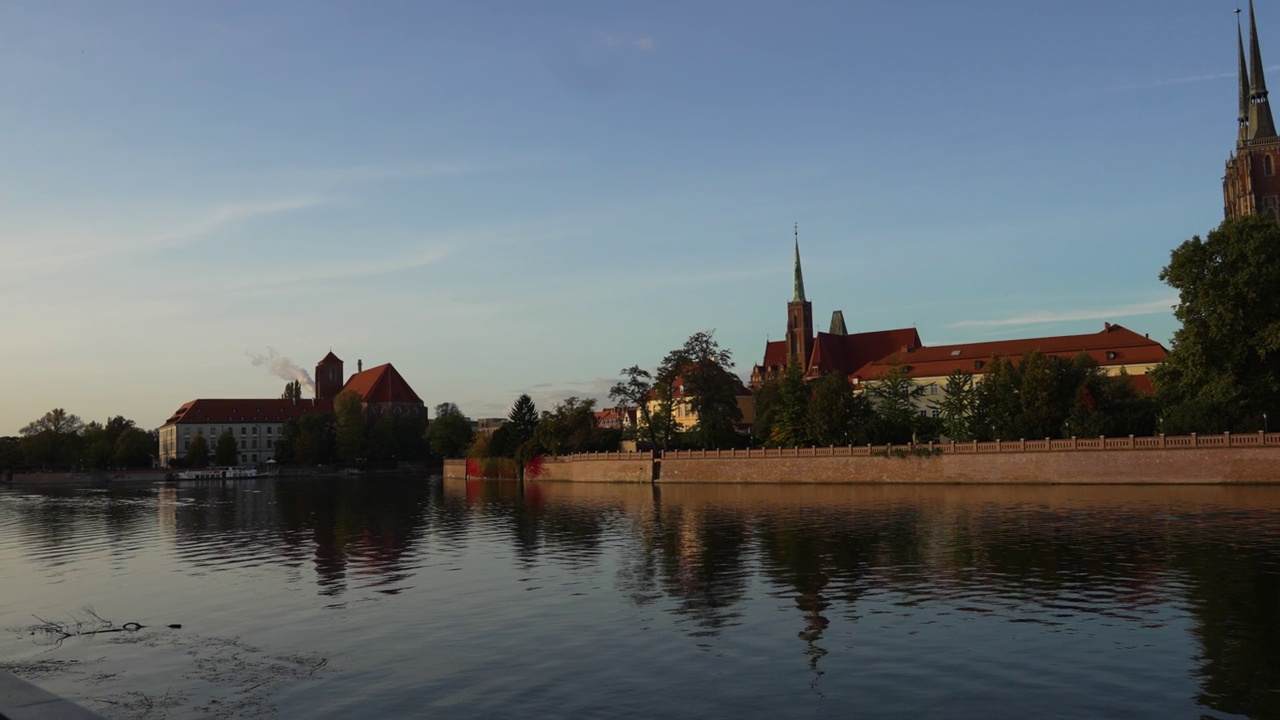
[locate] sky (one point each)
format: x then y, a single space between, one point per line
510 197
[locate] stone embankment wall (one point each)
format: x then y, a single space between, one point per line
612 467
1215 459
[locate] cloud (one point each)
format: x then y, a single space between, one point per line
645 44
343 268
1185 80
1155 307
75 247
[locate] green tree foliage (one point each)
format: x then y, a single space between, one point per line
11 457
227 452
710 389
1223 369
894 397
654 420
197 453
381 440
789 421
350 425
450 433
956 407
53 441
572 428
136 448
310 440
292 391
837 416
997 407
523 419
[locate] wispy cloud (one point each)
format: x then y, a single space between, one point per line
645 44
1155 307
1185 80
54 254
346 268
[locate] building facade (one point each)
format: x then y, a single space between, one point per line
256 423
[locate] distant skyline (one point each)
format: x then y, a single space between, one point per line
508 197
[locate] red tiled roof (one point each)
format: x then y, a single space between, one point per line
846 353
1115 345
330 358
382 384
219 411
775 353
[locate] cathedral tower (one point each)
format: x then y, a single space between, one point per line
1251 184
799 318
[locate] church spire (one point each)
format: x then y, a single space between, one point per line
1244 81
798 294
1261 124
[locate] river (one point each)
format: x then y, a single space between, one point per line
417 597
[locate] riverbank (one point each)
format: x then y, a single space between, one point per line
1159 460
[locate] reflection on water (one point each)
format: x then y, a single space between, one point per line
484 599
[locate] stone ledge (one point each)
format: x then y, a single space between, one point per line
20 700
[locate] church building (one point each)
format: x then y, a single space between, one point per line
256 423
1251 185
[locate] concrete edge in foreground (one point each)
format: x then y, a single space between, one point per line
21 700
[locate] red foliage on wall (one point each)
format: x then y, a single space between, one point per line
533 467
473 468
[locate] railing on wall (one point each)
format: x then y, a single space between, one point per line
1158 442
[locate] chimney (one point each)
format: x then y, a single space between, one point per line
359 366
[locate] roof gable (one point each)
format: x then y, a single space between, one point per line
382 384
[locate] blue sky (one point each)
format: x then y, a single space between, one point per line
526 197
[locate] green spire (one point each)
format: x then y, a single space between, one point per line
1261 124
1244 75
798 295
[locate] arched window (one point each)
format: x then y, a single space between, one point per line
1268 168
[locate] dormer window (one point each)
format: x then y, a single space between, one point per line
977 364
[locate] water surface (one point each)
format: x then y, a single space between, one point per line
413 597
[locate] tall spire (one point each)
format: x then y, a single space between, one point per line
1261 124
1244 81
798 294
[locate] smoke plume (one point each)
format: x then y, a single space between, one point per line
282 367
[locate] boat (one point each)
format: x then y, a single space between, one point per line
217 473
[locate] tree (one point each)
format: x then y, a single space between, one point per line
997 407
292 391
53 441
789 421
226 452
136 448
571 427
523 418
1223 369
709 388
894 398
349 423
836 415
197 453
634 391
956 406
11 457
450 433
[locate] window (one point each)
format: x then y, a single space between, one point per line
255 429
186 432
244 458
1111 355
977 364
268 429
935 414
268 444
255 443
241 444
933 389
255 457
241 430
1267 168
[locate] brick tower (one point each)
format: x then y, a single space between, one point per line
799 318
328 377
1251 184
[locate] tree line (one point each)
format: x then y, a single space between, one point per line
60 440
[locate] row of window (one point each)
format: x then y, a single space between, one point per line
213 430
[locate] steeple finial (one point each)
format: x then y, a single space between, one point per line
798 294
1261 124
